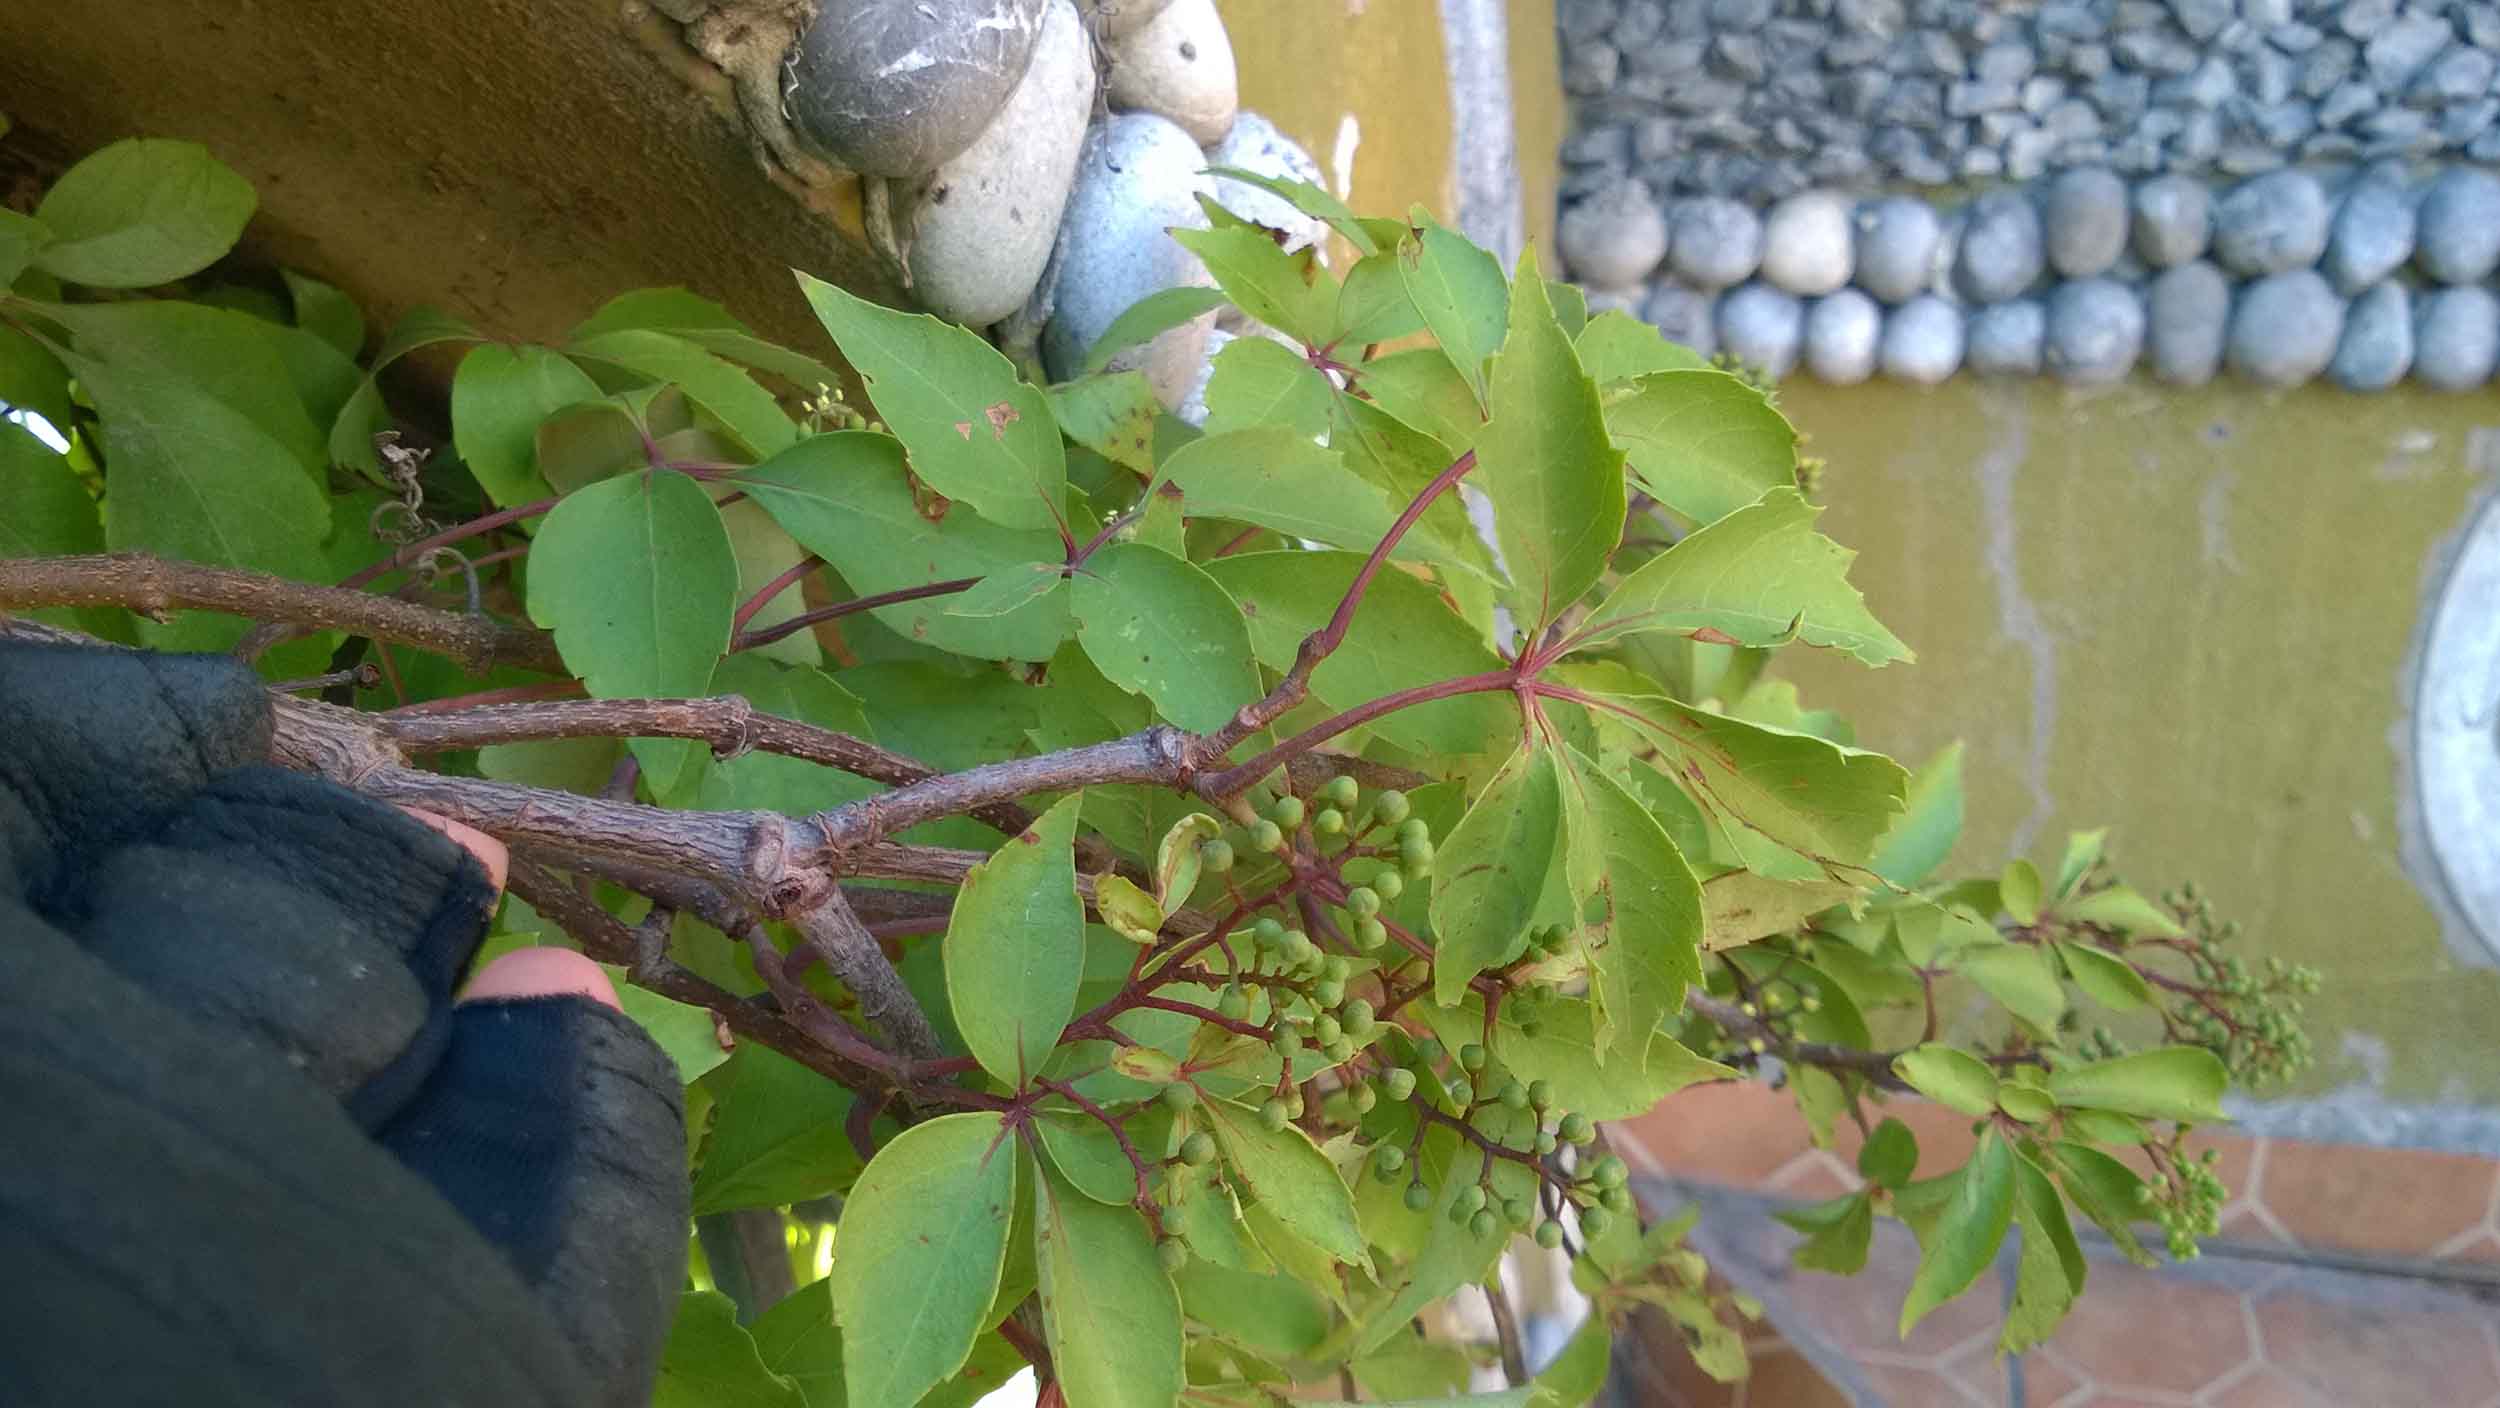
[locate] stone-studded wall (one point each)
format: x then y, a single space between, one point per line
2287 189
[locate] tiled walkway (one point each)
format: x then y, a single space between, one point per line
2345 1278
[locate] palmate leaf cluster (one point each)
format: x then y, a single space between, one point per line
1235 1080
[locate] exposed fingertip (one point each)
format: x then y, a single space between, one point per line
489 851
542 972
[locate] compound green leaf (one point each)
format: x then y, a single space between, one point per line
1403 636
1421 387
1559 1055
232 357
1491 869
1311 200
1112 414
1459 291
1109 1311
326 313
1578 1372
1015 947
2018 976
1760 576
32 379
2052 1269
2183 1083
761 781
1958 1246
1890 1155
1544 459
1260 384
1703 442
20 237
1007 590
1271 1314
798 1340
2018 890
1083 1152
498 397
846 498
2083 850
2123 910
1276 478
1638 907
1373 307
711 1361
1615 346
975 432
636 578
2106 978
1769 790
1292 1180
1290 292
140 212
732 397
1160 626
1949 1076
924 1238
696 319
1150 317
2105 1190
1930 822
44 510
365 416
1837 1235
777 1134
1401 461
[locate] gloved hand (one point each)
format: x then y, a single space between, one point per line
250 1151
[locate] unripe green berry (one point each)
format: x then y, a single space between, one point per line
1341 791
1415 857
1595 1221
1549 1235
1362 901
1364 1098
1617 1201
1513 1095
1179 1095
1541 1095
1328 992
1545 1141
1198 1150
1389 884
1328 821
1610 1172
1275 1114
1472 1056
1339 1051
1470 1200
1576 1129
1518 1212
1326 1029
1300 949
1268 933
1266 837
1370 934
1414 829
1234 1004
1429 1051
1358 1018
1338 966
1287 812
1484 1224
1389 1158
1173 1254
1462 1094
1418 1197
1399 1082
1390 806
1216 856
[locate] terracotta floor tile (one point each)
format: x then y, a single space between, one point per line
1815 1175
2252 1225
2405 1201
1944 1137
2239 1166
2108 1399
2382 1358
1983 1373
2139 1330
2049 1381
1733 1132
1920 1387
2264 1389
1786 1380
2481 1244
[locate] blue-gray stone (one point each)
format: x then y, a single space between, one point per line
1716 242
1682 315
2274 223
1807 243
896 87
2187 312
1923 341
1762 327
2456 338
2006 339
2173 220
1843 331
1897 242
2285 327
2401 50
2096 330
2085 218
1614 238
1139 176
2457 234
2377 345
2001 252
2372 236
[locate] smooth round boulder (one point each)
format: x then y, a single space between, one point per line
2377 345
2372 236
1843 333
2457 233
1683 316
1715 242
2001 254
983 223
1922 341
1806 244
1258 146
1139 175
1179 65
1896 247
2173 220
2008 339
2096 331
2285 328
897 87
2456 338
1193 407
2271 224
1762 327
2187 319
1615 237
2085 217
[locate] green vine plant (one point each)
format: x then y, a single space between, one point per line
1175 902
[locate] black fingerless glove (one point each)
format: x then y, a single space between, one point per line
250 1153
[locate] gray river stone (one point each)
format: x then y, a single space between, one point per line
896 87
1716 242
1139 176
2096 331
2173 220
2001 252
2372 236
2009 338
1614 238
2274 223
1897 241
1843 332
1762 327
2187 315
2085 219
2377 345
2457 235
1923 341
1806 243
2456 338
2284 328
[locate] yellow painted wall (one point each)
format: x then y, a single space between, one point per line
2186 614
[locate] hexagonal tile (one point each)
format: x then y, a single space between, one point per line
2384 1357
2266 1388
1734 1132
2137 1330
2048 1381
1861 1314
2415 1200
1924 1387
1786 1380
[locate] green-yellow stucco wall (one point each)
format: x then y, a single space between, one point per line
2186 614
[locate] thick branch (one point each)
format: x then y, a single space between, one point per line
154 587
1153 757
1875 1066
834 934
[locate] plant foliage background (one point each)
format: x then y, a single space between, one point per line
1176 902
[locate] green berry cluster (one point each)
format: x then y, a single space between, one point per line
1330 829
2186 1199
2248 1016
826 410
